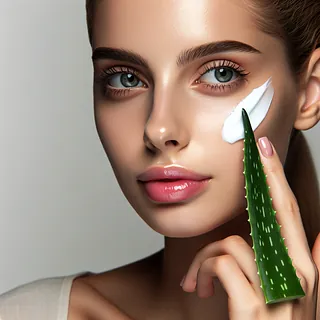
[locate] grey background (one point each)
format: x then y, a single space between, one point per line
61 210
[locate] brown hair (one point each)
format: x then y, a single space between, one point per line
297 24
90 10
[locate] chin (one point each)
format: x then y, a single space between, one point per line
178 230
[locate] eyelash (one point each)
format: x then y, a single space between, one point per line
105 76
227 64
110 92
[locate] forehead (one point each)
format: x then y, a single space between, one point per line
164 27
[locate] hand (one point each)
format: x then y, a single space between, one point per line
232 261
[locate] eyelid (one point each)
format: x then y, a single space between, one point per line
114 93
116 69
213 64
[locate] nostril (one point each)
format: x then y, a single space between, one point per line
171 142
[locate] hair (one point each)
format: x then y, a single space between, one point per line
297 24
90 5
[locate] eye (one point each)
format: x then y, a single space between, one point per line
219 75
123 80
119 81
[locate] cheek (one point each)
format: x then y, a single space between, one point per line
279 122
224 160
229 168
121 130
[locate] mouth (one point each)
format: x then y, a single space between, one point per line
172 184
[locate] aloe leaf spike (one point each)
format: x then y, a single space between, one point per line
279 281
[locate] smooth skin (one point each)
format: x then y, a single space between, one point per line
173 113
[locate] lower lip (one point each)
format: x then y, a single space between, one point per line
174 191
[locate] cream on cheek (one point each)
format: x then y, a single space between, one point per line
257 105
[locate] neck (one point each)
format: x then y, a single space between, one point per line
177 256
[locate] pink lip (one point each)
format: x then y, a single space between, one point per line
172 184
170 173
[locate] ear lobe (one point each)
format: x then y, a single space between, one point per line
308 117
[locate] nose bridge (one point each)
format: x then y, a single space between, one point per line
166 126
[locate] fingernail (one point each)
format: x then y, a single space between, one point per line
182 281
265 147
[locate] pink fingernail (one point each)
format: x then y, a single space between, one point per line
265 147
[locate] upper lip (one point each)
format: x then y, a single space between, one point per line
170 173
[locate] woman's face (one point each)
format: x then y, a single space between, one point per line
163 99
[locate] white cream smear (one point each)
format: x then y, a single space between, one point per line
257 105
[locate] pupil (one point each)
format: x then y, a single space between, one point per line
223 75
129 80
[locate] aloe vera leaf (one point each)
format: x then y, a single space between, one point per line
279 281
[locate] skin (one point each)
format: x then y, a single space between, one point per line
172 117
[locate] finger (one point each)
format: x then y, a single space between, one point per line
227 270
235 246
285 205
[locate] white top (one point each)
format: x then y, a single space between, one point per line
45 299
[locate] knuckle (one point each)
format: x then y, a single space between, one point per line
307 282
309 279
292 207
252 310
273 167
216 264
208 265
234 241
222 262
256 307
304 283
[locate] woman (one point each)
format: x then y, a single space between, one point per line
167 76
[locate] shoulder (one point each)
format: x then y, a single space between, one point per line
40 299
87 303
117 294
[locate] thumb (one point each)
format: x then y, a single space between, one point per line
316 259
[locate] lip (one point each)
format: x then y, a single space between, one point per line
170 173
172 184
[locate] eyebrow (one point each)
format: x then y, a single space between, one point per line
188 56
184 58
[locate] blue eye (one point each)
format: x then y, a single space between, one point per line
124 80
219 75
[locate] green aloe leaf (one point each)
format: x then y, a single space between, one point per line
279 281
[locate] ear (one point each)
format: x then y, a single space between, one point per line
308 114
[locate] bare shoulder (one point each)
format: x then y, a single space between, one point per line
117 294
86 304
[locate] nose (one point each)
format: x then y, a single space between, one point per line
166 129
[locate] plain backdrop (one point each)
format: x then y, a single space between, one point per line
61 210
